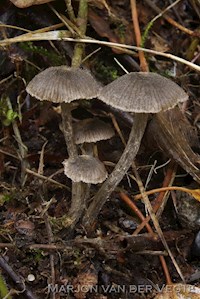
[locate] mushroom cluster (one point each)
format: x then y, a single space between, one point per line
137 92
64 85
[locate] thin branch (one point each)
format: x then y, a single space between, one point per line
18 280
169 178
170 20
70 10
42 177
64 36
129 202
143 63
194 192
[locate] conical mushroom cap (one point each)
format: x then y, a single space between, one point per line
60 84
92 130
85 169
142 92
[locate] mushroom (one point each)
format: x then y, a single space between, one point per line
62 84
85 168
141 93
91 130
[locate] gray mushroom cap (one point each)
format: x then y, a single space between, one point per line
92 130
85 168
142 92
60 84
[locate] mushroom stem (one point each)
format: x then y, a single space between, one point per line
130 151
77 205
68 130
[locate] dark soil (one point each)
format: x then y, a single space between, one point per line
39 258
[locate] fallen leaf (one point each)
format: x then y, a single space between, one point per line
27 3
170 131
179 291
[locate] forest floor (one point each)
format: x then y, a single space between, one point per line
118 257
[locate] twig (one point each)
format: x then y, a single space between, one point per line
41 161
194 192
160 233
135 209
82 25
170 175
52 257
47 223
127 200
150 24
14 27
143 63
152 252
70 26
39 176
70 10
18 281
170 20
23 150
65 36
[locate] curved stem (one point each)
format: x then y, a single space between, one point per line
120 169
68 130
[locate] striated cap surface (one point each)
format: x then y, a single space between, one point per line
60 84
85 169
142 92
92 130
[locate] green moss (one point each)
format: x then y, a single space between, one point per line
36 255
121 30
105 72
3 289
7 115
5 198
53 57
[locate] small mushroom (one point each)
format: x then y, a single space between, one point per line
62 84
85 168
141 93
92 130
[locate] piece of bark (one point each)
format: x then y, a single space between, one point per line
170 131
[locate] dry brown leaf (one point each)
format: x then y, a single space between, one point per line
27 3
169 130
179 291
84 282
102 27
159 44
